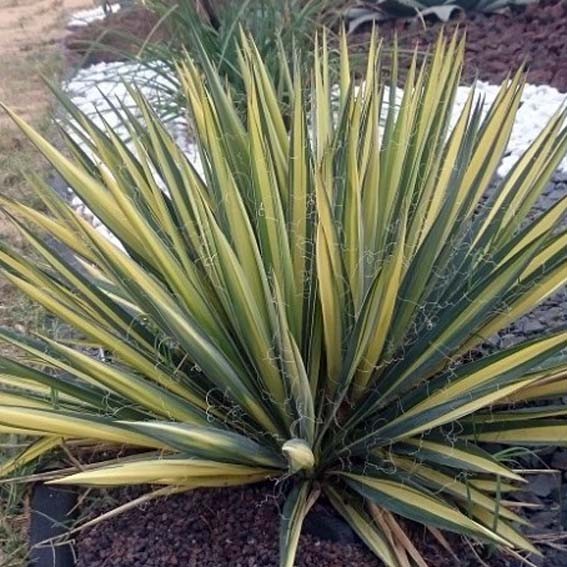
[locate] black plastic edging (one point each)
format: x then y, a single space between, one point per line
51 514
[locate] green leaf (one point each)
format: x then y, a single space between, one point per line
417 505
364 526
296 507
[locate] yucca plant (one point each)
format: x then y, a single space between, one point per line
301 308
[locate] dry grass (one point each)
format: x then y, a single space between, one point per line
30 33
17 158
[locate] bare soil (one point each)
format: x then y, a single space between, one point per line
116 37
31 34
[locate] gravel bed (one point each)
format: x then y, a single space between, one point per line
83 18
208 528
238 527
535 34
550 315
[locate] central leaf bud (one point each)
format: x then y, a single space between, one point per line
299 455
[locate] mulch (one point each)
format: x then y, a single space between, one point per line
207 528
236 527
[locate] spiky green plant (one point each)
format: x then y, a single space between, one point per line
379 10
282 29
301 309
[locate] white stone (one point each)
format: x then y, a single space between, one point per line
85 17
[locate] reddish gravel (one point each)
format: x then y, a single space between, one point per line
536 34
207 528
237 528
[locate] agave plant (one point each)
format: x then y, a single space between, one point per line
300 306
380 10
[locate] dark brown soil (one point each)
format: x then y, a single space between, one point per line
235 528
535 34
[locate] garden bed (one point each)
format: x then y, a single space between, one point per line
535 34
239 526
217 528
104 40
222 527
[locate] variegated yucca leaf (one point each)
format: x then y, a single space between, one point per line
299 305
